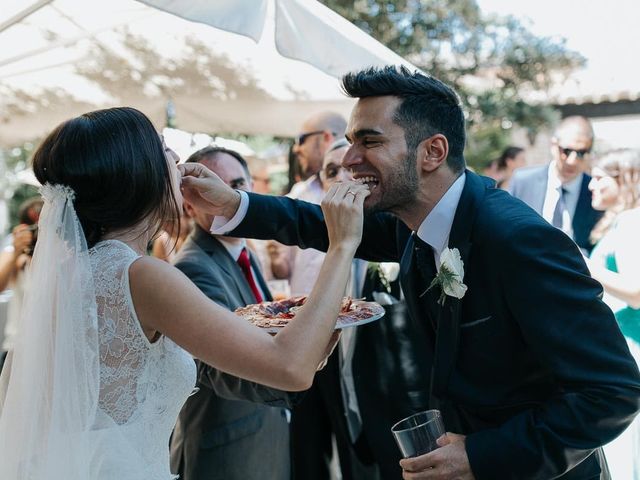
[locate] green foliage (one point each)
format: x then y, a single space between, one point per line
13 161
495 63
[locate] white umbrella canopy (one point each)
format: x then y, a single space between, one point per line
71 56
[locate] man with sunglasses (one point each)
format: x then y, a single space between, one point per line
318 132
559 191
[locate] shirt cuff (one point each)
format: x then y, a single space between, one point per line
222 225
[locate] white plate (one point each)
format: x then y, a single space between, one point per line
378 313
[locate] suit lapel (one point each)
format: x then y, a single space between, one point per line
227 264
262 284
539 190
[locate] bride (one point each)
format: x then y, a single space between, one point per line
100 367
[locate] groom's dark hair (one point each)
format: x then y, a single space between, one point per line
428 106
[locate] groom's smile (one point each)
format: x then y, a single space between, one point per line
378 152
371 180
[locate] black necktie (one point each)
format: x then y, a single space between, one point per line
558 212
425 260
426 265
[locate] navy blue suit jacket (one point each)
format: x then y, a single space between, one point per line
530 364
530 185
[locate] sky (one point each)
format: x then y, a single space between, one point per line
605 32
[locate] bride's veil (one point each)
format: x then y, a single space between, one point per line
50 385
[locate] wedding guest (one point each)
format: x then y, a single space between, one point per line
491 170
317 133
524 360
218 437
261 180
615 263
14 263
510 159
559 191
99 373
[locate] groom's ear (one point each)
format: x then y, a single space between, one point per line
432 152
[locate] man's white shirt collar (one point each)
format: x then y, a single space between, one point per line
572 186
436 227
234 248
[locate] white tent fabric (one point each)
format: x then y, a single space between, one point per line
305 30
67 57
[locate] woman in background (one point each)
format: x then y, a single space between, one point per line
510 159
615 262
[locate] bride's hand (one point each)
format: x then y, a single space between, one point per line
206 191
343 213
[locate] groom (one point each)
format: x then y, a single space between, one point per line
528 367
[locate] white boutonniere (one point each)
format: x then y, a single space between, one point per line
450 275
386 272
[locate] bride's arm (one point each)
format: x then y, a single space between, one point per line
166 301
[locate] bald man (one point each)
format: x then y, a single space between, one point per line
317 133
559 190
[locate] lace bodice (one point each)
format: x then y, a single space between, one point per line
143 385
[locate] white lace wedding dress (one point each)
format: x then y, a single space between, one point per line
143 385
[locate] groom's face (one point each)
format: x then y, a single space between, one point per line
378 154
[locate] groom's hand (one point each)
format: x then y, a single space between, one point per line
205 190
449 462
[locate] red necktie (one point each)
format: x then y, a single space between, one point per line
245 266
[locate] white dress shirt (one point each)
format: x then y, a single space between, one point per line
552 195
436 227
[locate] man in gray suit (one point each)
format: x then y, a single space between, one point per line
559 191
221 434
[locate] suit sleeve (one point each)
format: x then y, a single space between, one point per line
573 334
514 184
223 384
295 222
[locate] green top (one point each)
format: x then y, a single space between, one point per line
628 318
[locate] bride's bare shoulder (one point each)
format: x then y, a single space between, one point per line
151 272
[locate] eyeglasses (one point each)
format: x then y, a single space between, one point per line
579 153
331 171
300 139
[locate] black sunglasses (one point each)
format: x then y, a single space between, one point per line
300 139
579 153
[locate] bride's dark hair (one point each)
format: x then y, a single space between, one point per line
114 161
